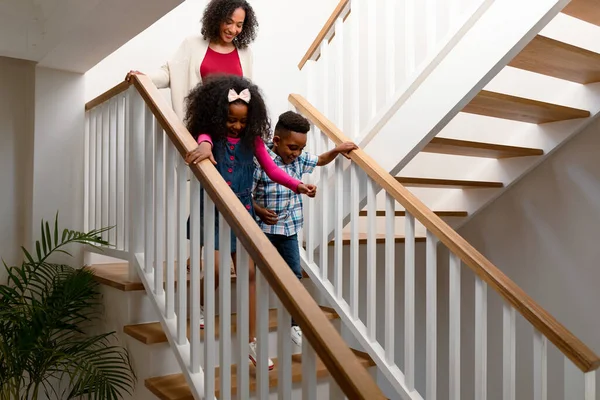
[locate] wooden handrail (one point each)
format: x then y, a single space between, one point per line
120 88
324 32
353 379
567 343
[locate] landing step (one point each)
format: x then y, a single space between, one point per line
381 213
499 105
560 60
447 183
467 148
585 10
152 333
174 387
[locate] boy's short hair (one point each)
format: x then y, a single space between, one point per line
291 121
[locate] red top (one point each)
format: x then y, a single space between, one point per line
218 63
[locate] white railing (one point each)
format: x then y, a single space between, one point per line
370 56
379 282
137 180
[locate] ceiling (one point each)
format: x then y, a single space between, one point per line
73 35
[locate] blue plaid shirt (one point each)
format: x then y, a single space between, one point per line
286 204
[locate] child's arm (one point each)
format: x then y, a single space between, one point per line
329 156
202 152
267 216
276 174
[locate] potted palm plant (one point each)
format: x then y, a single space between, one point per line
46 310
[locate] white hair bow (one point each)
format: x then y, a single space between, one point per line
244 95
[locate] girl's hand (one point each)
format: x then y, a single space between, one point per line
132 72
200 153
309 190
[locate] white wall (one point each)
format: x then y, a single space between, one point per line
543 233
287 29
58 162
16 137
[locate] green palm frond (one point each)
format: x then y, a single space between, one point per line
45 309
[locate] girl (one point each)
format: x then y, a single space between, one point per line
222 47
228 117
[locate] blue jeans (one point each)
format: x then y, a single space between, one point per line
288 248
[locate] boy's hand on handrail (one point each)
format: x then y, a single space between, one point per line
345 148
309 190
200 153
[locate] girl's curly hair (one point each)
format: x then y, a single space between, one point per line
207 109
217 12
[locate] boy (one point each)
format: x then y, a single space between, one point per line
279 210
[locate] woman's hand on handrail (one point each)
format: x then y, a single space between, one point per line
132 72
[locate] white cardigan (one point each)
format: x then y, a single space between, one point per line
182 72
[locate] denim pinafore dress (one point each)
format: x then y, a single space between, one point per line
235 163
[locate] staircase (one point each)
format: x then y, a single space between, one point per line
394 303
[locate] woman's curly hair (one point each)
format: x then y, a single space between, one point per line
217 12
207 109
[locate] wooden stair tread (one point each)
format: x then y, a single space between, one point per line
116 276
152 333
446 183
515 108
174 387
402 213
585 10
379 238
558 59
477 149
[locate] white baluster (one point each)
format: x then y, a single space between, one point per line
372 58
195 272
431 25
540 366
324 250
390 48
509 354
390 278
311 210
112 171
431 316
326 83
149 191
182 251
91 154
262 333
409 302
171 229
225 307
242 297
120 199
590 385
371 260
338 267
209 296
159 216
354 245
284 353
98 197
105 167
454 330
309 366
480 339
355 64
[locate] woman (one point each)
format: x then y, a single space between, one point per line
228 28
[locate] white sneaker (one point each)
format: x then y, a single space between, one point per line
201 317
296 335
253 357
